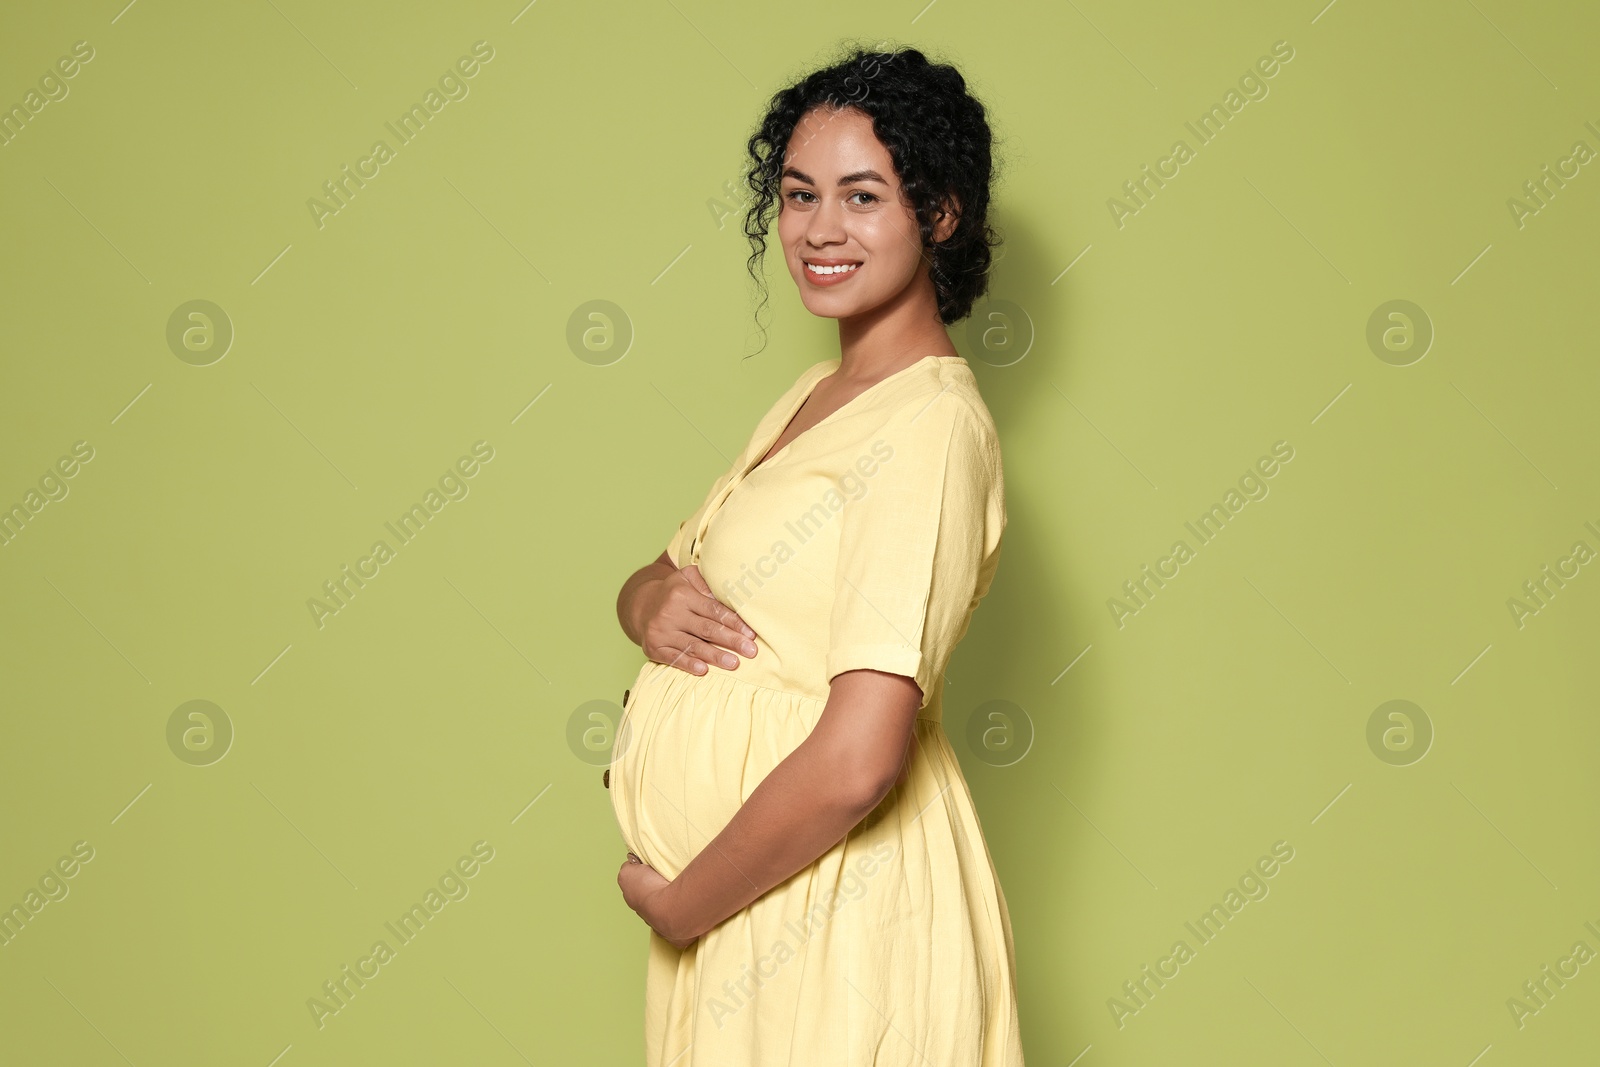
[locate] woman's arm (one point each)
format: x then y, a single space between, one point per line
661 567
821 790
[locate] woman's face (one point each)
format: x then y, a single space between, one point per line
841 205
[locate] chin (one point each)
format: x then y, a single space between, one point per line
834 309
837 304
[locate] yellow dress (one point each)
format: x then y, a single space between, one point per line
866 542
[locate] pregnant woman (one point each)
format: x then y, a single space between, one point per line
801 840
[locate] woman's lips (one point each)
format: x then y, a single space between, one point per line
834 276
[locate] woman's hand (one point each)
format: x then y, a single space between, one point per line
684 626
641 887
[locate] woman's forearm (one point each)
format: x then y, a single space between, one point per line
626 599
799 811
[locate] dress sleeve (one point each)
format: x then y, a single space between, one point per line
675 545
917 546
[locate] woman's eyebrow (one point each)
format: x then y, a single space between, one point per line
849 179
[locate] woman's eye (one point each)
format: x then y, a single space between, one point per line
796 194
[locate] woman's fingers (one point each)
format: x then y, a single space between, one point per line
710 653
680 658
713 629
695 656
713 643
690 629
716 609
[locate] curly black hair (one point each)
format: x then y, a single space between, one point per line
938 139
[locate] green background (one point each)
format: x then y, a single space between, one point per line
589 161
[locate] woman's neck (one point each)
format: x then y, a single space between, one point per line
893 335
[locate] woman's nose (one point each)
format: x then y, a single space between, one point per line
826 227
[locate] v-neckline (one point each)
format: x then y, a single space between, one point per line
794 411
832 365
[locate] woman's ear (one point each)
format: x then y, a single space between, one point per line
944 222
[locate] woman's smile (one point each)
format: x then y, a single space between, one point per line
830 271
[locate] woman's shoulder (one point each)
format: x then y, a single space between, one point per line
945 389
937 419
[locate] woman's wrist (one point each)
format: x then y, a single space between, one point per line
673 916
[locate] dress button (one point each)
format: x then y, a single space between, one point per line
605 779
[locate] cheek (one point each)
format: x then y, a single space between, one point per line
791 226
793 239
892 250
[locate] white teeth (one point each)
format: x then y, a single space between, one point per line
814 269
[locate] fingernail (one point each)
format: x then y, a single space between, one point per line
747 631
728 660
749 648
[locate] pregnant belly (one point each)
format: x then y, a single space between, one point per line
689 754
